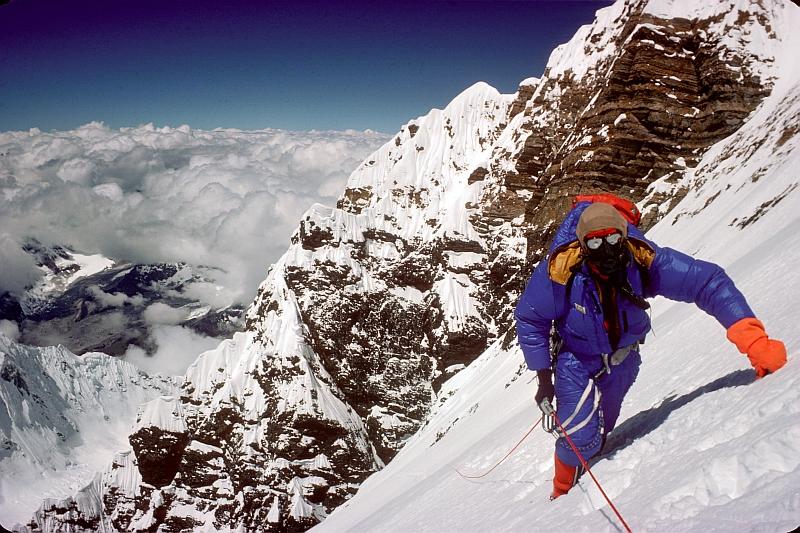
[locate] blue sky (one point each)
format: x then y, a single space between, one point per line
291 65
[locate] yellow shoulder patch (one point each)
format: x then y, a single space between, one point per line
562 261
642 252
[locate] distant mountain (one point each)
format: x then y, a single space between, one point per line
92 303
415 273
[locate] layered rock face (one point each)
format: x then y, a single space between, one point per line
390 294
627 106
416 271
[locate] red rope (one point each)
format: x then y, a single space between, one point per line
586 467
504 457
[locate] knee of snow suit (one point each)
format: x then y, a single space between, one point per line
581 402
578 409
615 386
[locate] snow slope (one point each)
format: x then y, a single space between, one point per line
700 445
407 265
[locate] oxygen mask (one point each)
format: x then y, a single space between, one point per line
607 253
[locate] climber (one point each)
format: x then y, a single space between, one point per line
592 288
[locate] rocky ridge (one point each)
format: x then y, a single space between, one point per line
415 271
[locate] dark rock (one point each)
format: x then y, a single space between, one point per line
14 376
158 453
10 308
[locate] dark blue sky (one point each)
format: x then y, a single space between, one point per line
290 64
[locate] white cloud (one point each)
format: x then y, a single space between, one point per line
211 293
117 299
112 191
178 347
17 267
159 313
10 329
78 170
228 199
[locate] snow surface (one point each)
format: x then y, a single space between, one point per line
165 412
700 445
125 477
417 160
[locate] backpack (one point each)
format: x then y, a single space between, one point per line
625 207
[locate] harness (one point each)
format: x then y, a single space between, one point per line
614 359
609 361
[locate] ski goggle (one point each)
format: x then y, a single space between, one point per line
595 242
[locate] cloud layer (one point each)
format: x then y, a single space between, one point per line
9 329
176 348
229 199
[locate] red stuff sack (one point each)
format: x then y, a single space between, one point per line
626 208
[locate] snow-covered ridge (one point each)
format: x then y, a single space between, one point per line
727 19
164 412
62 418
576 57
422 175
66 268
153 314
311 391
119 481
243 385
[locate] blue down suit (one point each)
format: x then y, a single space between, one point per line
562 292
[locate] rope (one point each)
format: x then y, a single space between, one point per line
505 456
586 467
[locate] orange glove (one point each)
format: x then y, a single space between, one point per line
765 354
